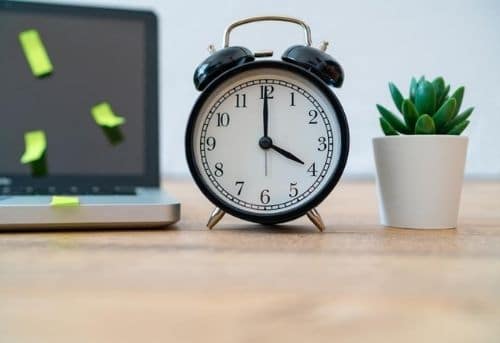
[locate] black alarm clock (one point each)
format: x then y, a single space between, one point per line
267 140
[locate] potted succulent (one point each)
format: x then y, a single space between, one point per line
420 161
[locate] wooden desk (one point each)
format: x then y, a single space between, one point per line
243 282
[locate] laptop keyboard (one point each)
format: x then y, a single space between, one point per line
73 190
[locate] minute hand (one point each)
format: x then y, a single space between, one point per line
265 116
287 154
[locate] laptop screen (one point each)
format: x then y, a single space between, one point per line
78 102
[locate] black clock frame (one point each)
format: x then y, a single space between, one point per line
309 204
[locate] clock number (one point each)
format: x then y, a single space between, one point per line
219 171
292 99
210 143
264 196
266 91
322 144
294 191
312 169
239 184
222 119
314 115
241 100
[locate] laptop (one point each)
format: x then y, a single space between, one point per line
79 140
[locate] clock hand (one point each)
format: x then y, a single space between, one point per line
287 154
265 162
265 115
267 143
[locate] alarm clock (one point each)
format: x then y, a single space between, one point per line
267 140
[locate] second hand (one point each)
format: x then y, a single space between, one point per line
265 162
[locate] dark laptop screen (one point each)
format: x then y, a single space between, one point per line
77 87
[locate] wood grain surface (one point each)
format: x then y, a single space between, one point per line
242 282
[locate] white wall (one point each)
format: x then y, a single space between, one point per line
375 41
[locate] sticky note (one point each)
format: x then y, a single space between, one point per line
104 116
35 146
59 200
35 53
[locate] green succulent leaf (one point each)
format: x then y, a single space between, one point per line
439 87
413 88
458 95
391 118
425 98
396 95
410 114
459 128
443 97
387 128
443 115
425 125
458 119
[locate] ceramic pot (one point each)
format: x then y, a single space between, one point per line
419 180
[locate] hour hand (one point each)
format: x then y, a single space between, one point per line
287 154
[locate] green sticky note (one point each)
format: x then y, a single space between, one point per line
104 115
35 146
35 53
59 200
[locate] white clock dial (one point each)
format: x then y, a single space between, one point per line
268 168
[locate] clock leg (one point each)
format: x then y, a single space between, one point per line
215 217
314 216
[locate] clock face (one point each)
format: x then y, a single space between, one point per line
266 143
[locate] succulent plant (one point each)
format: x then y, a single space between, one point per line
428 110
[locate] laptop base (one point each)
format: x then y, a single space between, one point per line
148 208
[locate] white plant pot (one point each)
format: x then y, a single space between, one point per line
419 180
